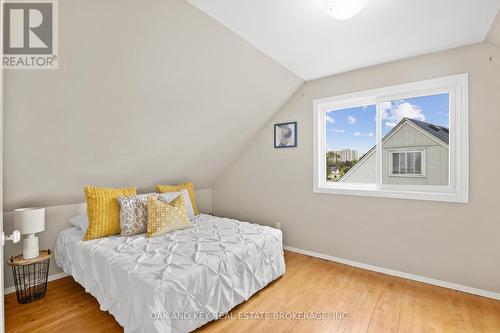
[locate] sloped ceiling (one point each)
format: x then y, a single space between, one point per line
494 34
301 36
146 92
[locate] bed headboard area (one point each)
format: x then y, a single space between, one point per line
56 219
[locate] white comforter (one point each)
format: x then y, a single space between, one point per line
178 281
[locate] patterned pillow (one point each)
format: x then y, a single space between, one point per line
169 196
166 217
134 214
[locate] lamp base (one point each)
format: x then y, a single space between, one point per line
30 247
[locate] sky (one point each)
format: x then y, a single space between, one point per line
354 128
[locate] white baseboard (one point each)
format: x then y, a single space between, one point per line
440 283
52 277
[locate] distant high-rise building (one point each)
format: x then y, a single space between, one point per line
346 155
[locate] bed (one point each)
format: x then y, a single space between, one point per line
178 281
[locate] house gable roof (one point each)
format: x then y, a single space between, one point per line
437 132
440 132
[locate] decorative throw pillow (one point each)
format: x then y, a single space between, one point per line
134 214
166 217
175 188
169 196
103 210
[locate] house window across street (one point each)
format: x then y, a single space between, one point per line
407 163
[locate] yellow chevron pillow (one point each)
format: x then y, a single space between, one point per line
103 210
166 217
174 188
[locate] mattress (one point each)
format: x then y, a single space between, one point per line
178 281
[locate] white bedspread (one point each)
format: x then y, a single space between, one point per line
178 281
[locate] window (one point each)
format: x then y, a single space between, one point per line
407 163
407 141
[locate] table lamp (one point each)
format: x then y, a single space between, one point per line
30 221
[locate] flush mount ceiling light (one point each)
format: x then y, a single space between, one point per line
344 9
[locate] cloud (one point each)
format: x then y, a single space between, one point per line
339 130
369 134
329 119
351 120
393 112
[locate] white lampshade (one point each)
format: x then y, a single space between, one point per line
29 220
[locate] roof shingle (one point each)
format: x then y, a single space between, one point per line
440 132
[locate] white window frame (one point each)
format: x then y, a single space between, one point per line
422 163
458 187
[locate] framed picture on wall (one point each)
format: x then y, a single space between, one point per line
285 135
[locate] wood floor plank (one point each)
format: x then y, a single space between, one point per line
357 301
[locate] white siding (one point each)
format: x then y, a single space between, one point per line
436 157
364 172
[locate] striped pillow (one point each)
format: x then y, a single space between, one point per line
103 210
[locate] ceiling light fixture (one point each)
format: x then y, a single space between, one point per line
344 9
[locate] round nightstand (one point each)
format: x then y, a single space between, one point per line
30 276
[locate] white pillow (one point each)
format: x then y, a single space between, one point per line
169 196
81 221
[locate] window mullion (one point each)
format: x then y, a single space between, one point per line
405 163
378 135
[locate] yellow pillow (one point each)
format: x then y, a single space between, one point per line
103 210
166 217
174 188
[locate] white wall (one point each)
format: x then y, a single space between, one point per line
445 241
146 92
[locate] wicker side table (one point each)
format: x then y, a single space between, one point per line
30 276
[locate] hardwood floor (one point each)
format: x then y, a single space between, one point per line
372 302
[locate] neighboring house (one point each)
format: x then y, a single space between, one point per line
413 152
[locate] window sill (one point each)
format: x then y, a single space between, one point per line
371 190
406 176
